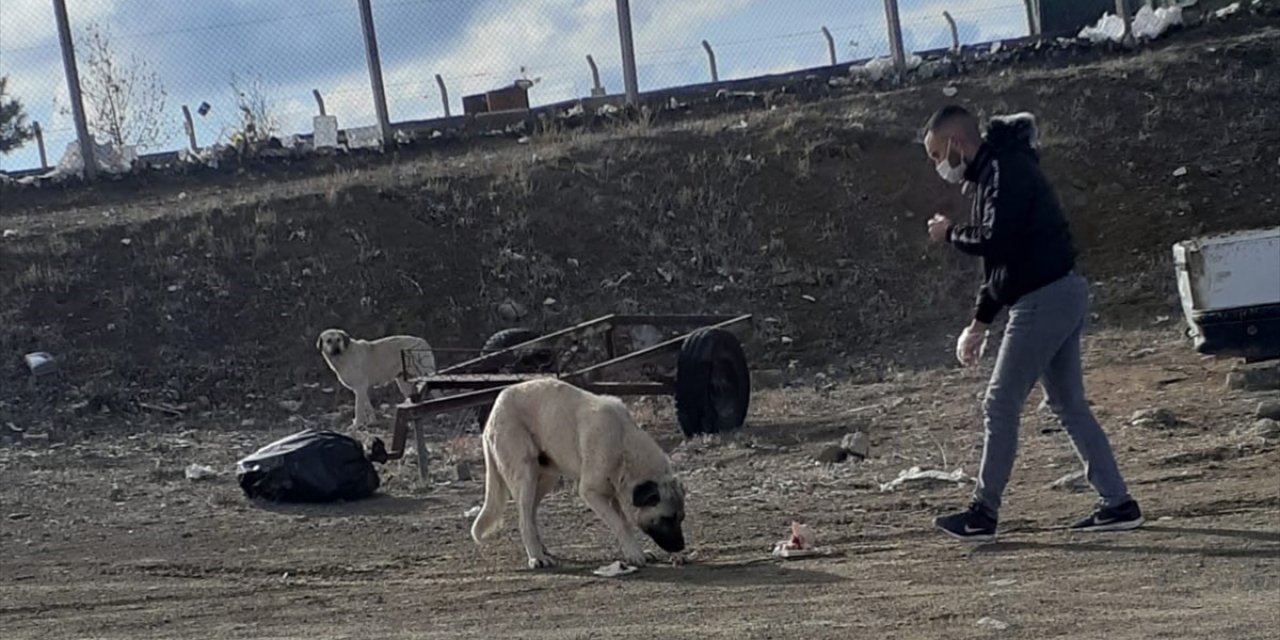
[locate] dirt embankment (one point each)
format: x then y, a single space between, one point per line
810 216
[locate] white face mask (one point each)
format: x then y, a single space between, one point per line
949 172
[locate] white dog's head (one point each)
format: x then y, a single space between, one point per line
333 342
659 511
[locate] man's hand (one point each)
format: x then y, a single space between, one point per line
939 225
972 343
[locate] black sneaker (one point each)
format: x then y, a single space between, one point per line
972 525
1118 518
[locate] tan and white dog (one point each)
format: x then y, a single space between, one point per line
544 429
363 364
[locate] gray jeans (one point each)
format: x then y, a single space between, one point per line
1042 343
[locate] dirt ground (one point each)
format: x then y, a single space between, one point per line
105 538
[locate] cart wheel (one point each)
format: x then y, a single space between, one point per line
713 386
507 338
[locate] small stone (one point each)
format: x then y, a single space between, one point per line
1073 482
19 516
1262 376
41 363
1159 419
832 454
1267 429
511 311
117 494
248 423
292 406
856 444
1179 172
1269 409
463 471
998 625
197 472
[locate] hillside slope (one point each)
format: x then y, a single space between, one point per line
810 216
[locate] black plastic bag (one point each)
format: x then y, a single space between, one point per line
310 466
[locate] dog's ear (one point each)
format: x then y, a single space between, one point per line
646 494
346 339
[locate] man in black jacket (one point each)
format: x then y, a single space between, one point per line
1018 230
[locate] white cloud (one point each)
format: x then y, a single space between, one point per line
991 16
31 23
550 42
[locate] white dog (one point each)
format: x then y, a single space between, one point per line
363 364
544 429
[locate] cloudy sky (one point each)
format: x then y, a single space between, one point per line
295 47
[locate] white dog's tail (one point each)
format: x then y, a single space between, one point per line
495 498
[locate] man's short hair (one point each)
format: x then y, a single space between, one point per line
944 116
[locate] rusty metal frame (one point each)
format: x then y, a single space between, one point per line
483 388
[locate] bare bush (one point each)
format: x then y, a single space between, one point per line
124 98
258 119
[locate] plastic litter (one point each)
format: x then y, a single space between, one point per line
110 158
802 543
916 474
196 472
614 570
1147 24
311 466
1228 10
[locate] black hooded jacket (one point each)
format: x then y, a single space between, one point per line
1017 226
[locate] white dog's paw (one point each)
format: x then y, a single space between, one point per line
636 557
542 562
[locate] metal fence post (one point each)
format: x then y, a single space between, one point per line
711 60
597 89
1033 17
375 70
627 40
444 94
1122 10
831 45
895 36
190 126
73 89
955 33
44 159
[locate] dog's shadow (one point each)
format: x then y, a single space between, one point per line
752 573
375 505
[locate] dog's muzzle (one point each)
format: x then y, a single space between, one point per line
670 539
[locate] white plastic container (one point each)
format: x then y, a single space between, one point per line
1230 290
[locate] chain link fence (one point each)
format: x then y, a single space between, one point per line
243 67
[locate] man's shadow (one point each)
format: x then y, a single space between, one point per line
1270 549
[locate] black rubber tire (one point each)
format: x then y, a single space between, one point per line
504 339
507 338
713 384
